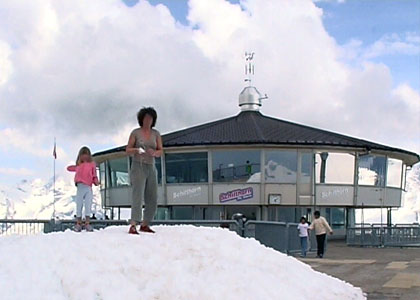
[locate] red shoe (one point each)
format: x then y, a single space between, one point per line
146 229
133 230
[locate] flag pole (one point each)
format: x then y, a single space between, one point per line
55 157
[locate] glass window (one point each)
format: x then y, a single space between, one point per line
158 163
286 214
186 167
236 166
338 218
249 212
305 173
182 212
102 174
334 168
208 212
280 166
118 172
162 213
372 170
404 180
393 175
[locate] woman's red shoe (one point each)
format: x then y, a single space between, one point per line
146 229
133 230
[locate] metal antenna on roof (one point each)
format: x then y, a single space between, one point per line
249 66
250 98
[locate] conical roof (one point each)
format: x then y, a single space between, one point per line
252 127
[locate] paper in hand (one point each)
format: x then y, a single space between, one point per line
141 150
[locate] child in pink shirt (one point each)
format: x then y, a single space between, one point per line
85 176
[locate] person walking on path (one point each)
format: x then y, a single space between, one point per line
321 227
85 176
144 144
303 228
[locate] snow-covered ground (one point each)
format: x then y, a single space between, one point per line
178 262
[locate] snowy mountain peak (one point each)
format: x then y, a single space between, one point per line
35 199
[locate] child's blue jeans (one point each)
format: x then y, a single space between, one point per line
304 245
84 195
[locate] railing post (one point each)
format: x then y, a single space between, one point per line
49 226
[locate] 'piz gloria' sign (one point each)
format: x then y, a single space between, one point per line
237 195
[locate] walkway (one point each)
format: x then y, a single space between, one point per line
382 273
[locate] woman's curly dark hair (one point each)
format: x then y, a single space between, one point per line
147 111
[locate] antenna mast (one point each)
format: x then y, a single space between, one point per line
249 66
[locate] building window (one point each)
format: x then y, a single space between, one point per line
393 175
118 172
186 167
280 166
372 170
306 167
334 168
158 163
162 213
404 177
182 212
236 166
338 218
102 174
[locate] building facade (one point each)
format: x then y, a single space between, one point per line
266 168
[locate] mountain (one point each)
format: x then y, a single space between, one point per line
35 200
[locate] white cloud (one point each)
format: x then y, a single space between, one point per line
81 71
389 44
338 1
409 44
5 64
16 171
12 139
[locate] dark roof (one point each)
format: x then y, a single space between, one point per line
251 127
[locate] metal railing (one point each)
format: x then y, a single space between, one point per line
385 236
280 236
27 227
401 236
23 227
385 225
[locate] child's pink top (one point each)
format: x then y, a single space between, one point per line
85 173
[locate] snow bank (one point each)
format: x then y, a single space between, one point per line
178 262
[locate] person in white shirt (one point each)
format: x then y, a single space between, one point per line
303 234
321 227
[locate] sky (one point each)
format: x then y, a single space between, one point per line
79 71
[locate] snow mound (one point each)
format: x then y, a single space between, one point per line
178 262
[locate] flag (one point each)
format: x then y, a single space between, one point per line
55 151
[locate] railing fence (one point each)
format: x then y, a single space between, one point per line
384 236
278 235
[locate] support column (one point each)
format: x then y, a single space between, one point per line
389 217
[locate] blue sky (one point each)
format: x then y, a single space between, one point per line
68 57
368 21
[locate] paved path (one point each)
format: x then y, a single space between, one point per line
382 273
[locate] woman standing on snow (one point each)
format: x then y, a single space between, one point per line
144 144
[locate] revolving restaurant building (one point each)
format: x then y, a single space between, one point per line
266 168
